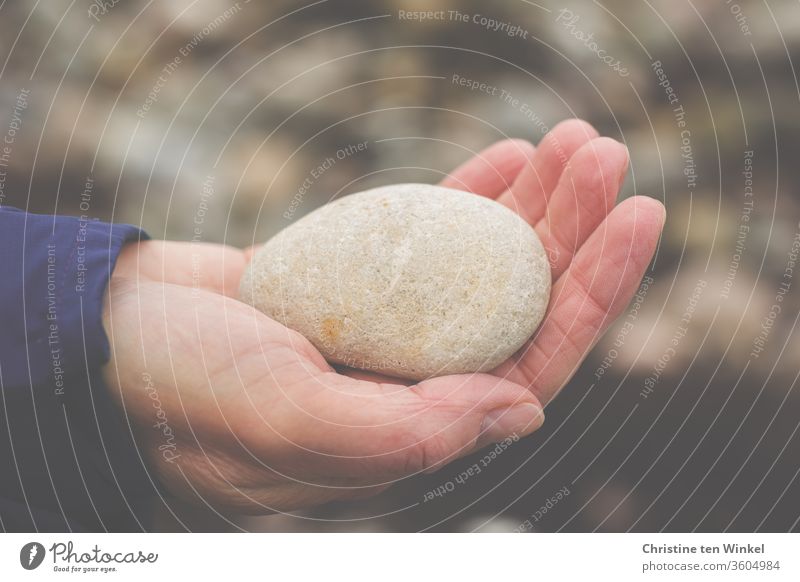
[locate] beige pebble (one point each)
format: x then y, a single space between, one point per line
409 280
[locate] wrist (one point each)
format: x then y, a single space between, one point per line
127 265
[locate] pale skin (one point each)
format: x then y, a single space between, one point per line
261 422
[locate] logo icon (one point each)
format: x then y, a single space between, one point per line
31 555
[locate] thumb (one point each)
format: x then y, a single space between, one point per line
466 412
382 432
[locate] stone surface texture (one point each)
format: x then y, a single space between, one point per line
409 280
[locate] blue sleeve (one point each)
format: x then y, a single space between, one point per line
67 458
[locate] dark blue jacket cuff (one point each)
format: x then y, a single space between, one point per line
63 450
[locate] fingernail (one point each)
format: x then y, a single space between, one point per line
624 171
515 422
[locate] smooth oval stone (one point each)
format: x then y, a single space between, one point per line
408 280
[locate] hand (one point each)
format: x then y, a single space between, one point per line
238 412
566 188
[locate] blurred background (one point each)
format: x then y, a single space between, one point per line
212 120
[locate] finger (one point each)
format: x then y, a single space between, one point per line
492 171
584 196
250 251
588 297
531 190
208 266
383 432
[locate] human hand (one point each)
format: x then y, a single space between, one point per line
258 419
566 188
237 412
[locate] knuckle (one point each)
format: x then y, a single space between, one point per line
426 453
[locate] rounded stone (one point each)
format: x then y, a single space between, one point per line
409 280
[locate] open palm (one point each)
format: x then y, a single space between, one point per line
258 421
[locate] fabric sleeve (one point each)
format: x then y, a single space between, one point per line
67 458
